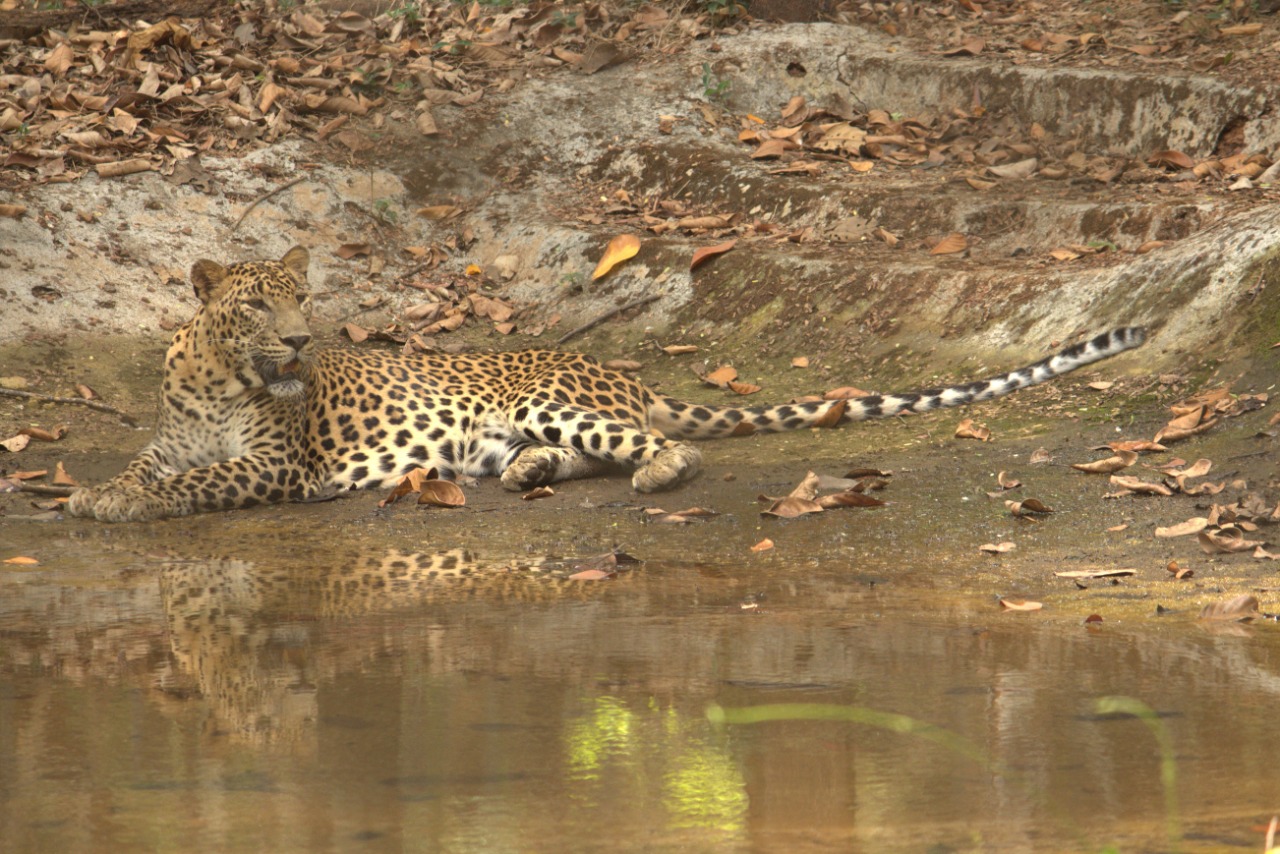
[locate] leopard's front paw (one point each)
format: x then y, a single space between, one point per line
534 467
128 504
669 468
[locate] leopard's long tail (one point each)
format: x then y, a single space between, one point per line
676 419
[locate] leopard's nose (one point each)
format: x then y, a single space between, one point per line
297 342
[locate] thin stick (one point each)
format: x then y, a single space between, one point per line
79 401
268 194
44 489
608 314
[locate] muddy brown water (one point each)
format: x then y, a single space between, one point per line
339 677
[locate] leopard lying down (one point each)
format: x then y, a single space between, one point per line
251 412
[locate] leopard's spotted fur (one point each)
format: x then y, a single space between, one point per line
251 413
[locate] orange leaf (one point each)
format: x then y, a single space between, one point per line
966 429
1020 604
441 493
1171 160
22 560
950 244
706 252
1121 460
763 546
621 248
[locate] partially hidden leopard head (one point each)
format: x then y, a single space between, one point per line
254 314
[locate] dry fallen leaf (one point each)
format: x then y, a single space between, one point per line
950 245
1121 460
1179 572
997 548
1239 609
1171 160
1137 485
706 252
1194 525
1096 573
679 349
441 493
1028 507
763 546
1226 540
21 560
620 248
1020 604
967 429
538 492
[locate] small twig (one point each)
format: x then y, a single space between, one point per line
92 404
607 315
41 489
268 194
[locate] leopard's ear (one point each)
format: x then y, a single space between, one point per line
207 279
296 261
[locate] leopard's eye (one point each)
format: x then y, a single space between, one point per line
256 304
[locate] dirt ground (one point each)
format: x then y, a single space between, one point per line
485 155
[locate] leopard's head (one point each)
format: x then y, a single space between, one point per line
254 314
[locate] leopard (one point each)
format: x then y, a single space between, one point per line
253 412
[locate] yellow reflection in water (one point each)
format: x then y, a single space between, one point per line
702 786
706 789
605 733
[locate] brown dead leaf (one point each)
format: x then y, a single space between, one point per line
358 334
1040 455
61 478
721 376
1139 446
1238 609
997 548
950 245
800 362
1136 485
625 365
791 507
441 493
43 435
1064 254
1121 460
347 251
1096 573
1021 169
1171 160
1028 507
763 546
680 349
967 429
1228 539
439 212
1179 572
21 560
620 249
848 498
706 252
14 444
1020 604
1007 481
538 492
1194 525
847 392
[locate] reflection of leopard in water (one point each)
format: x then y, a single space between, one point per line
241 634
250 414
